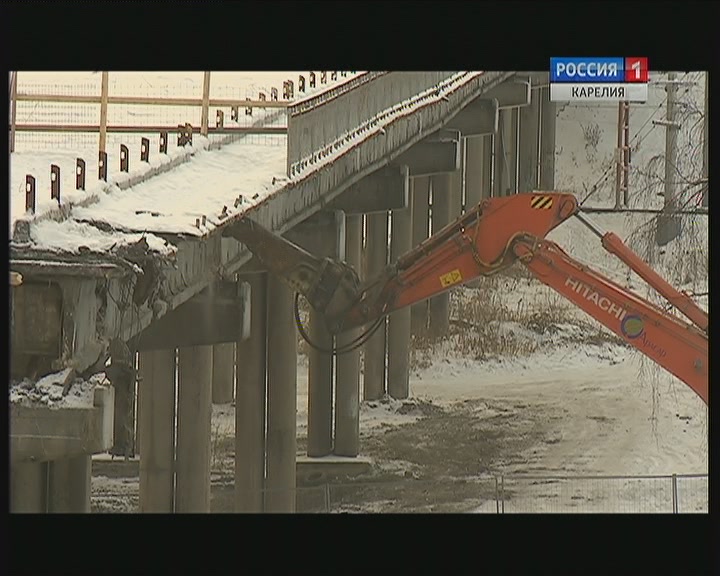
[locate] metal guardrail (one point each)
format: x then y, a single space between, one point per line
317 122
673 493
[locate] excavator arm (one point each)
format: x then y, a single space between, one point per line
485 240
476 244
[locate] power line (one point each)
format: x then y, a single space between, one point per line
608 170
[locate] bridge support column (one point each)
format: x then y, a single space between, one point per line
282 399
474 171
506 153
398 331
250 403
442 201
320 388
69 485
420 192
528 153
347 366
223 375
192 484
457 184
376 248
124 417
547 140
157 422
28 487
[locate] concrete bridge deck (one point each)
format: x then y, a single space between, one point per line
142 263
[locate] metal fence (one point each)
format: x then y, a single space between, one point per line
676 493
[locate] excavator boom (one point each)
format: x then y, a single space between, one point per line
485 240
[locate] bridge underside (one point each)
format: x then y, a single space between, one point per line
176 311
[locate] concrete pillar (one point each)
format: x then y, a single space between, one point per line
506 153
398 334
28 487
347 366
223 375
547 140
250 404
513 149
69 485
499 167
138 406
441 205
320 392
124 417
474 148
420 192
282 399
376 246
157 422
487 166
194 419
528 154
457 185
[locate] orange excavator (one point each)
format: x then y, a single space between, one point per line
483 241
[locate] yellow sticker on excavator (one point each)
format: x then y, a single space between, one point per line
452 277
541 202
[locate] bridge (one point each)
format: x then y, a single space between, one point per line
144 265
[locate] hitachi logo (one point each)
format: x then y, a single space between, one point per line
599 301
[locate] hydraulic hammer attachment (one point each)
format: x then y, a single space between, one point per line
330 286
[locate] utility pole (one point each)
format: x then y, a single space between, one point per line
668 224
671 130
13 108
706 138
622 156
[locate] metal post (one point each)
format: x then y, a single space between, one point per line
502 494
497 496
706 138
619 157
670 141
327 497
103 111
626 153
205 104
13 109
674 494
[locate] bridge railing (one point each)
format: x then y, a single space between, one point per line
507 494
316 124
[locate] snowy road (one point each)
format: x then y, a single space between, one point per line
610 423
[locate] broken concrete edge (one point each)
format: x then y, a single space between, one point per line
446 89
21 227
72 431
309 188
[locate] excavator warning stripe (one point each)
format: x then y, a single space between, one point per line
452 277
541 202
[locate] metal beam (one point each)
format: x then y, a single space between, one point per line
147 129
510 94
219 314
381 191
40 433
323 234
478 118
431 157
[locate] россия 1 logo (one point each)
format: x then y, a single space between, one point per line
596 70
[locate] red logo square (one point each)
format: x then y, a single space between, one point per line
636 70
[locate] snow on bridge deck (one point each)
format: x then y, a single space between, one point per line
230 179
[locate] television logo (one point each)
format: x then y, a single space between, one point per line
596 70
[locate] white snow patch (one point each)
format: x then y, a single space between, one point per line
193 191
71 236
48 391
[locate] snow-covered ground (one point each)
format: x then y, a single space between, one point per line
613 413
236 176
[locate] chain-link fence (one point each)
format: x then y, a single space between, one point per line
680 493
